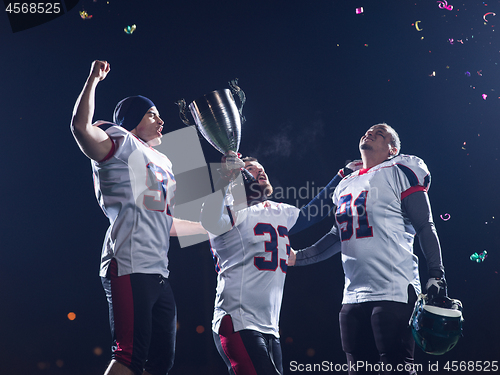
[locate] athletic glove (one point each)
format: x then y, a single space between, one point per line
351 167
437 290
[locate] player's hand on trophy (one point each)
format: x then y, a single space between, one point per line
350 167
100 69
231 165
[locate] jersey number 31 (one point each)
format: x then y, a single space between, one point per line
344 214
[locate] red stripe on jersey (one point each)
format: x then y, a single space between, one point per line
230 216
412 190
110 153
235 350
362 171
214 256
123 314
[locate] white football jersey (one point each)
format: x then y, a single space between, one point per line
135 188
376 237
251 261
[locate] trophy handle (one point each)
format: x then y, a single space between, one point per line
181 103
237 91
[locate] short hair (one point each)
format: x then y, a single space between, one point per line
395 141
249 158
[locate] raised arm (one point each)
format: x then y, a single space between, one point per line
318 208
321 205
216 217
93 141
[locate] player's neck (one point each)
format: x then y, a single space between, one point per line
371 159
154 142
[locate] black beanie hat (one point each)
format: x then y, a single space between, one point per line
130 111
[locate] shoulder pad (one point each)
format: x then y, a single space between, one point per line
414 169
116 131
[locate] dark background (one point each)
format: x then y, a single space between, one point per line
316 76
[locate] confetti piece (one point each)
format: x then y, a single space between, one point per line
444 5
417 27
484 96
451 41
467 74
359 10
484 17
446 217
130 29
85 15
479 257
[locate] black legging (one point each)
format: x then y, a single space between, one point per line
376 337
248 352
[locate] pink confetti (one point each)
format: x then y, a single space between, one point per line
444 5
484 17
447 216
484 96
359 10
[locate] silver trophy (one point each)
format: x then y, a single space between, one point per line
217 117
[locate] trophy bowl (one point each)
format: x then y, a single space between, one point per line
217 118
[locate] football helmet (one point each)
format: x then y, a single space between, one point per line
436 325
